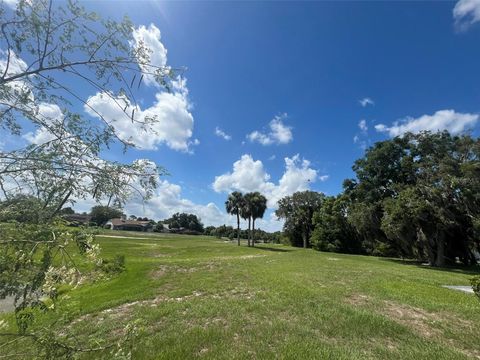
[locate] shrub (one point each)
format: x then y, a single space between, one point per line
383 249
159 227
115 266
476 286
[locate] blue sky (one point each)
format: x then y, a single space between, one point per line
334 77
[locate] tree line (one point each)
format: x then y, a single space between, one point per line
227 231
415 196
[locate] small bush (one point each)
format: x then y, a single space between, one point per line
476 285
382 249
115 266
285 240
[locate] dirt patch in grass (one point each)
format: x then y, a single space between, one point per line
216 322
419 319
422 321
122 313
164 269
425 323
115 319
125 312
389 344
157 273
236 293
161 255
415 318
358 299
241 257
202 352
471 353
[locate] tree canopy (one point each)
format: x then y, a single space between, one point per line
415 196
418 196
234 206
185 221
101 214
298 210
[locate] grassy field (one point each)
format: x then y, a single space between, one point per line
201 297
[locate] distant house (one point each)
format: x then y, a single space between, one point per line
77 219
129 225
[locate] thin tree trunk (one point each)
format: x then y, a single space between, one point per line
304 235
109 199
238 229
249 233
253 232
440 261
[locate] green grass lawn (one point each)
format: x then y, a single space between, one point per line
201 297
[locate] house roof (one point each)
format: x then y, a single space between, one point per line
118 221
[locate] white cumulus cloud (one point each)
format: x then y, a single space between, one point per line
449 120
168 200
50 115
250 175
220 133
466 13
16 89
150 38
15 65
167 121
247 175
279 133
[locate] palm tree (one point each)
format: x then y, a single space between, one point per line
246 212
259 205
234 206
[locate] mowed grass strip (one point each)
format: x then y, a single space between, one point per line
201 297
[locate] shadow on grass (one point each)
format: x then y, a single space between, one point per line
458 269
266 248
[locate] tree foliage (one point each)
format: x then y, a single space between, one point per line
231 233
48 50
253 207
22 208
418 196
234 205
257 207
101 214
52 54
476 286
298 210
415 196
185 221
332 231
